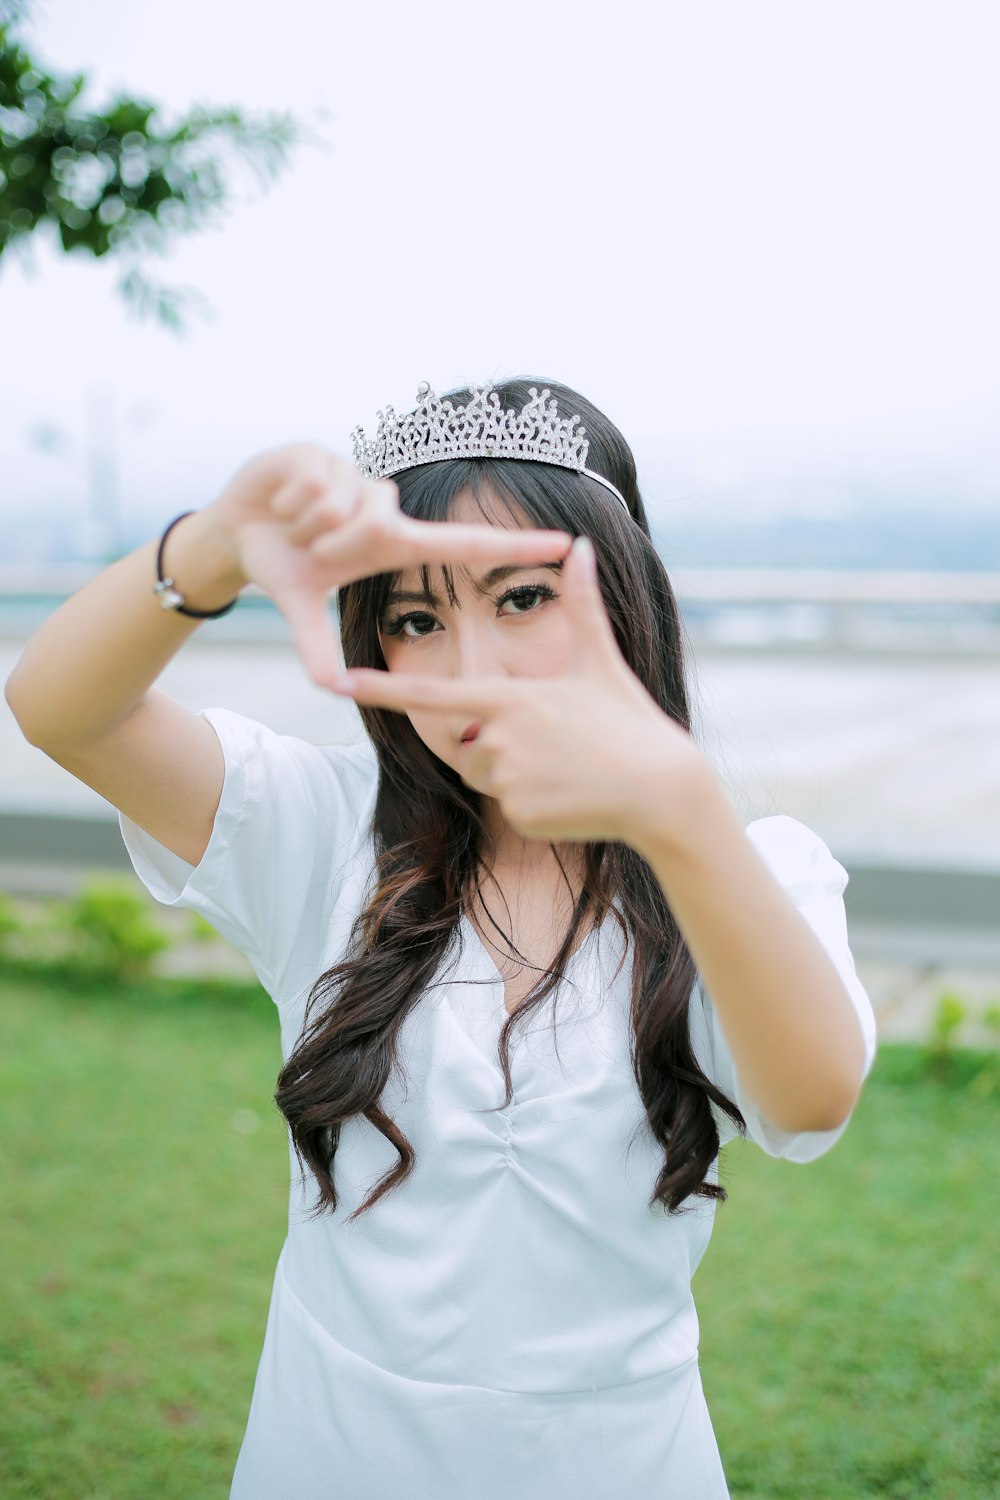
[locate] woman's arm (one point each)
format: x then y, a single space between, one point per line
82 689
87 667
788 1020
298 521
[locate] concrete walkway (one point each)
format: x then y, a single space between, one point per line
906 999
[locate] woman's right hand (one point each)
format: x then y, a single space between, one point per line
303 521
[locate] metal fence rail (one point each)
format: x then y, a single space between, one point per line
725 608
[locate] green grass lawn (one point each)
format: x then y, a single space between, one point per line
849 1309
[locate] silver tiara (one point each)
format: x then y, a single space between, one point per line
481 428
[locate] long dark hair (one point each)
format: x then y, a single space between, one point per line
430 841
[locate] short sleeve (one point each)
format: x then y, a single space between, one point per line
290 816
815 882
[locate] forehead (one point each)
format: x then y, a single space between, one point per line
466 510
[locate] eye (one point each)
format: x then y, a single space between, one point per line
525 593
423 624
395 627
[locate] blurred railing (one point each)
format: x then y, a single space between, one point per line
754 609
828 609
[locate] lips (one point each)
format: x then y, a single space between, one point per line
470 733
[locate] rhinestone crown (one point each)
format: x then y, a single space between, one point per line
436 430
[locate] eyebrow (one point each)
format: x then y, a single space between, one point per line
483 585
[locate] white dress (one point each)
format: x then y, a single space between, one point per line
514 1322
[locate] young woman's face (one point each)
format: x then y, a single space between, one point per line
512 626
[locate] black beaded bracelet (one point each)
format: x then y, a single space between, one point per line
169 596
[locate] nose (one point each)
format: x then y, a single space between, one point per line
476 651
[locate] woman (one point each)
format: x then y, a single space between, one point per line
531 971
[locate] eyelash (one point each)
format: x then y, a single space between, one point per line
395 627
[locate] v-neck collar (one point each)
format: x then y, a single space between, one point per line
488 962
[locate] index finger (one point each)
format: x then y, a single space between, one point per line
455 541
404 690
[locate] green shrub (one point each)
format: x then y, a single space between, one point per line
200 930
112 929
10 922
951 1012
951 1065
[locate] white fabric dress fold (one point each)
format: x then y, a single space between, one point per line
514 1320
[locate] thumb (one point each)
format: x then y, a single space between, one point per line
308 613
595 639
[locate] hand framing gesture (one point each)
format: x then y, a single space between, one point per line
304 521
575 756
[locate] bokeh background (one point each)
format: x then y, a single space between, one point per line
762 237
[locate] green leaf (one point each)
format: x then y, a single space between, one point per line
129 117
119 181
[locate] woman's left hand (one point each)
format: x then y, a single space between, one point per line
586 755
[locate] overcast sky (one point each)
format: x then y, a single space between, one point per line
762 236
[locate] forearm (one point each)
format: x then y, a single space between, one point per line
94 658
788 1020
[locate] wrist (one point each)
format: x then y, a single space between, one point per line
678 801
201 556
